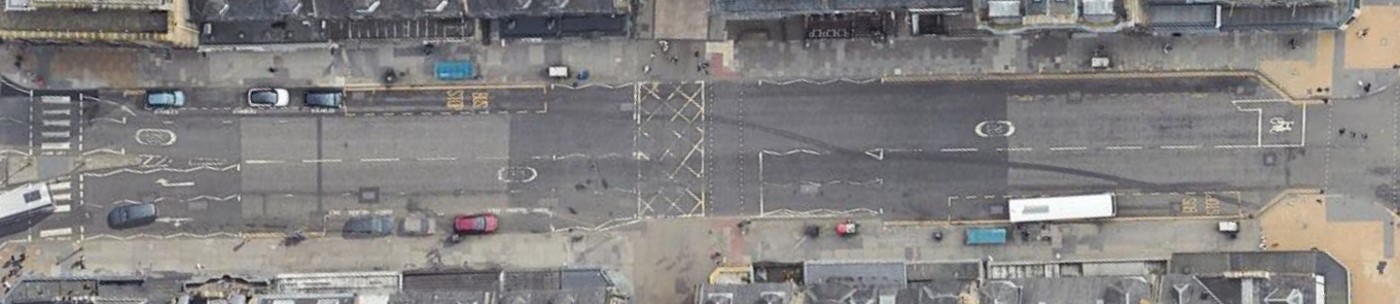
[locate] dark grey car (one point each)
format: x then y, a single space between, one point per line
324 99
134 215
368 226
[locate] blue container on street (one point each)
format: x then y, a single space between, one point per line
454 70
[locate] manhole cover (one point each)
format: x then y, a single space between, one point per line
369 195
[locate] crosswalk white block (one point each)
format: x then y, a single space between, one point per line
62 197
55 146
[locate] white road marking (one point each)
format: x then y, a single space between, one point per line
1022 149
1068 148
62 208
62 197
167 183
55 134
58 123
438 159
63 186
55 146
1182 147
320 160
958 150
379 160
162 142
262 161
56 99
1123 148
55 232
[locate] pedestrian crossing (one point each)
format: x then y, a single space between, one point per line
56 130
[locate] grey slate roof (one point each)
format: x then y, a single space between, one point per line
159 288
67 20
1298 264
501 8
1181 16
742 9
884 274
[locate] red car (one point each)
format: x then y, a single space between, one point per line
481 223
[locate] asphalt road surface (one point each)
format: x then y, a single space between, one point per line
559 158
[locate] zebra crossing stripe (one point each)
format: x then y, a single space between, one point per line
55 146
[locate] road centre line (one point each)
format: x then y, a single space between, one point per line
320 160
438 159
1022 149
262 161
1181 147
958 150
1068 148
1123 148
379 160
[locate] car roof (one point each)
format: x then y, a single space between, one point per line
369 223
323 98
164 97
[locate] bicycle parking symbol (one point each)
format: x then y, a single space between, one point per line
1279 125
1193 205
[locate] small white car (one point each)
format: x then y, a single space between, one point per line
267 97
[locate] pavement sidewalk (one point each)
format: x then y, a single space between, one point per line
661 256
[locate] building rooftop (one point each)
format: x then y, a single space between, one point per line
747 293
883 274
107 21
291 10
1089 289
160 288
742 9
1281 289
502 8
389 9
927 271
1251 3
1228 275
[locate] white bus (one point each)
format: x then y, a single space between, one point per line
1062 208
26 200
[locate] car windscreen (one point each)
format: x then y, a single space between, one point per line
263 97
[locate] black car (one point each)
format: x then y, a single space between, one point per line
368 226
324 99
134 215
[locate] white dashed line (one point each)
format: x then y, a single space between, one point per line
1015 149
958 150
1068 148
262 161
1123 148
1182 147
438 159
1235 146
379 160
320 160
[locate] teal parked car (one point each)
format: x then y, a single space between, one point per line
165 99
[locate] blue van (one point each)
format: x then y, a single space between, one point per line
165 99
